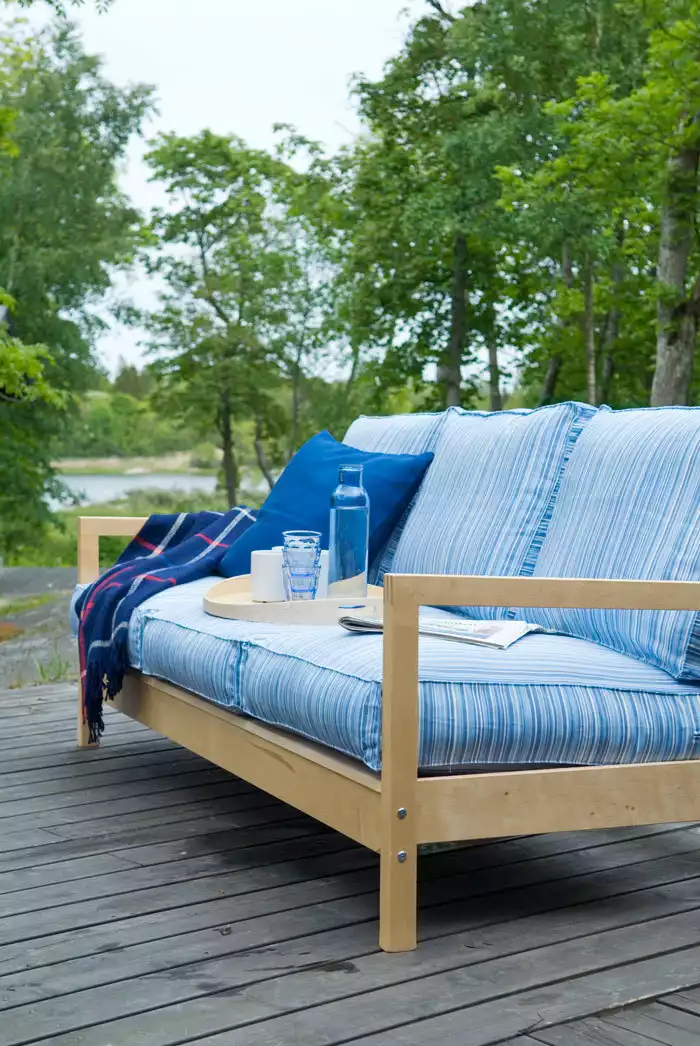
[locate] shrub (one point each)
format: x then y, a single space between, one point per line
204 456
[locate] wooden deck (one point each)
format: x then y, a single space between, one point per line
150 899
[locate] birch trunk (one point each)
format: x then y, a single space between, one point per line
551 376
495 397
260 453
450 370
229 458
550 381
612 329
676 311
589 333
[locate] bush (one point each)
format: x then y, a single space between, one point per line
115 424
57 547
204 456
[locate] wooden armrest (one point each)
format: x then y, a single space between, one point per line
410 591
91 529
405 593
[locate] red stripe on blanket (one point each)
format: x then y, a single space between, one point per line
216 544
147 544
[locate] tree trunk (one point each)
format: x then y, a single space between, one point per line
676 316
612 328
554 364
495 398
550 381
296 399
589 332
260 454
450 370
229 459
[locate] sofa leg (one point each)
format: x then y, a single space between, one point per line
398 900
83 732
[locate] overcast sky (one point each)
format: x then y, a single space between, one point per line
238 66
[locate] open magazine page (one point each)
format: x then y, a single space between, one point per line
497 634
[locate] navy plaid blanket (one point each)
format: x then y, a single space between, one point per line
168 550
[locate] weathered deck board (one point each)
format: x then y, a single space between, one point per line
643 1025
149 899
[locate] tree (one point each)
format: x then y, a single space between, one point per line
672 97
63 224
583 253
429 260
63 219
132 381
628 177
23 391
227 252
413 245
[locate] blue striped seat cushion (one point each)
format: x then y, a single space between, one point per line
548 700
486 501
629 507
394 434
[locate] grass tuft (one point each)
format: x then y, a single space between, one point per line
12 607
57 669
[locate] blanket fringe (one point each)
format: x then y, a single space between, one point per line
98 689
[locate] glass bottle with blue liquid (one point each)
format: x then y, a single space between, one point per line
349 535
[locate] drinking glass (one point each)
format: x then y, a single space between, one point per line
301 561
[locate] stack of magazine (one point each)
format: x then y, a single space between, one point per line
497 634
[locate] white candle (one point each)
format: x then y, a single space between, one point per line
267 585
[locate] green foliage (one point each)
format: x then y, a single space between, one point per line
23 370
14 58
593 209
24 390
63 219
25 472
132 381
106 424
57 668
63 224
11 608
243 279
428 258
61 8
204 456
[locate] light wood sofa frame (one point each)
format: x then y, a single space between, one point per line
394 812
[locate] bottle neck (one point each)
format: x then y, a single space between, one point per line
350 475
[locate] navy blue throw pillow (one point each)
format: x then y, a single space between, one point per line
301 498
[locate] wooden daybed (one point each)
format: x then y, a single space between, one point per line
395 812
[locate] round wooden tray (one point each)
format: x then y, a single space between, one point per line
232 598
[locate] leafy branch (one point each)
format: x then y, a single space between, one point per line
61 8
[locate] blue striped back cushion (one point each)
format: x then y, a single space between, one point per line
486 500
629 507
394 434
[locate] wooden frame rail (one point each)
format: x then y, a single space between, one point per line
395 812
90 530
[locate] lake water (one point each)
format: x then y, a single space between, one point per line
94 489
